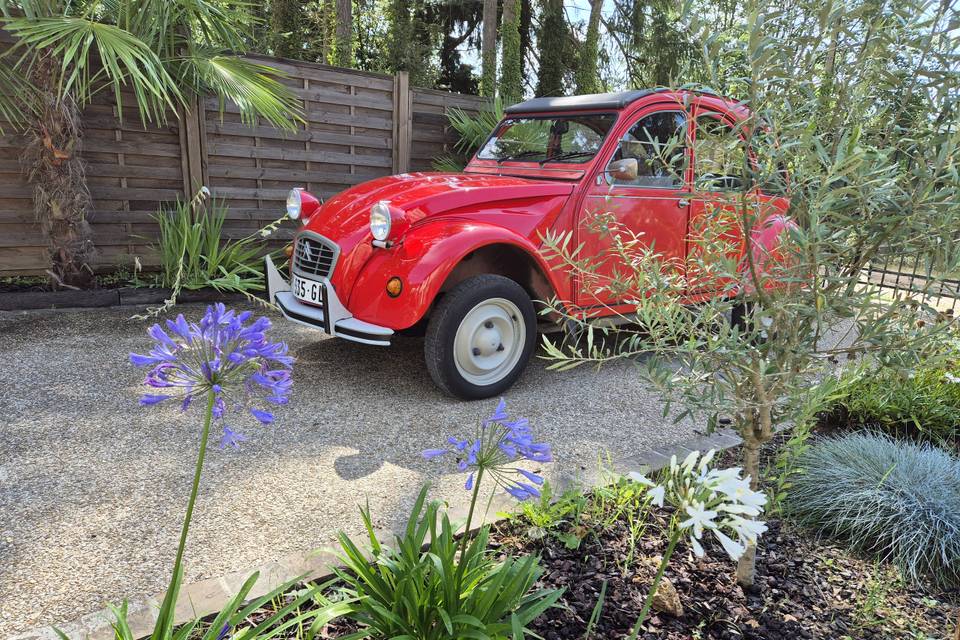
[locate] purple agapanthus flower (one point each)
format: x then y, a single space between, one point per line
226 355
499 444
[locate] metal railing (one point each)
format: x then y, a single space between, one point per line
902 276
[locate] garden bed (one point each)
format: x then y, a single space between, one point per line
804 588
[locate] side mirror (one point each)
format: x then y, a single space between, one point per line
625 169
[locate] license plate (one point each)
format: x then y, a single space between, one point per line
307 290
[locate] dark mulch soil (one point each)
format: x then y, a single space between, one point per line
803 590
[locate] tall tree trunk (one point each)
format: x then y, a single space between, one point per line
552 41
344 34
285 18
526 26
488 82
54 168
586 75
511 78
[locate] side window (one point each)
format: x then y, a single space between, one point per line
657 143
719 156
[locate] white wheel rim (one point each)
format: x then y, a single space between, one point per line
489 341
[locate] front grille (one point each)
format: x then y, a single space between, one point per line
314 256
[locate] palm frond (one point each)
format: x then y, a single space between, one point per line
121 60
251 86
175 27
17 97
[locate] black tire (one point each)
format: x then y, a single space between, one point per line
740 315
449 315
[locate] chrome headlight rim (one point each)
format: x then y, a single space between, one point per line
380 221
294 203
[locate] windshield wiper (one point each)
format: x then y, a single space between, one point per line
567 155
521 154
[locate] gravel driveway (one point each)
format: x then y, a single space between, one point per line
93 487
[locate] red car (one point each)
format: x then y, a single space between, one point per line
457 255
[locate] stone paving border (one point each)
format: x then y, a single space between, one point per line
202 598
120 297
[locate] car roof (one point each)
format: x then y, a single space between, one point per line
576 103
618 100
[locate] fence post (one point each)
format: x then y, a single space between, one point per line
402 122
191 147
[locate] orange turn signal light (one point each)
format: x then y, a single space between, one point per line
394 287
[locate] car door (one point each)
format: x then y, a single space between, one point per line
641 211
723 203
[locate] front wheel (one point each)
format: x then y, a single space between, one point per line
480 337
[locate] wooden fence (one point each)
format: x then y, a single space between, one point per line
358 126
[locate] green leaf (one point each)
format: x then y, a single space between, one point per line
92 52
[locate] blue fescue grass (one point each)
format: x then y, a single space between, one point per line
897 500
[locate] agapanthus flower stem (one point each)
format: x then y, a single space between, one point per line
466 527
648 603
171 595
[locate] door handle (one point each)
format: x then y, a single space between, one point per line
683 202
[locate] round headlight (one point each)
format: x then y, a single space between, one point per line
380 221
294 203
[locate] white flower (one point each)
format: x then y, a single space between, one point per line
733 549
951 378
740 509
748 530
697 548
657 494
707 458
701 495
690 461
699 519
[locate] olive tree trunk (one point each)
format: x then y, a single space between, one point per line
55 171
755 429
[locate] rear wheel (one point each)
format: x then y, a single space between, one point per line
480 337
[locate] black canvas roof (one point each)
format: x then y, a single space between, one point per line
575 103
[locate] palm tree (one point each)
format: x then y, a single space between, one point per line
167 53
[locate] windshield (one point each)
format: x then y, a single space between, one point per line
567 139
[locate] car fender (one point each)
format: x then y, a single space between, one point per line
423 260
771 254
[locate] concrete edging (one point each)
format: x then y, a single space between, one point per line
208 596
121 297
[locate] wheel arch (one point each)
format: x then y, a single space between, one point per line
503 259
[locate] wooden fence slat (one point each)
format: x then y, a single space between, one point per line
241 151
402 100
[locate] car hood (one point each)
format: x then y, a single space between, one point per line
424 195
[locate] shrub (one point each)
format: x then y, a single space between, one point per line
897 500
194 254
440 594
924 403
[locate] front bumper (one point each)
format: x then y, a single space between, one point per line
331 317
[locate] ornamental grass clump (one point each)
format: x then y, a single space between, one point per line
897 500
433 586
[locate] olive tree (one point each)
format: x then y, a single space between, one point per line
853 132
